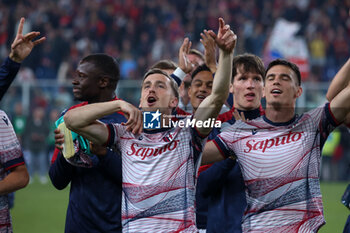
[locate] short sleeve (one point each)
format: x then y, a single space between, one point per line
327 123
10 149
114 132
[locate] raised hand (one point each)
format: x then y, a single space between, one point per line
134 116
23 45
226 38
210 48
184 63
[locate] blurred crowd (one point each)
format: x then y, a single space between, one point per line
140 32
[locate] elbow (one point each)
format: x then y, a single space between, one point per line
57 180
220 98
24 180
71 124
219 101
329 96
58 186
68 120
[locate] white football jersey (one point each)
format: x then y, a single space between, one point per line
280 163
159 175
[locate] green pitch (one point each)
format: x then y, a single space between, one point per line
335 212
42 209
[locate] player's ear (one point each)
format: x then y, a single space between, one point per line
174 102
298 92
263 92
231 88
103 82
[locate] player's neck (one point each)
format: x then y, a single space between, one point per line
107 97
103 98
279 114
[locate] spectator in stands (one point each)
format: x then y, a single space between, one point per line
150 25
36 133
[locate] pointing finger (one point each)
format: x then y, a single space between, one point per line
221 22
20 26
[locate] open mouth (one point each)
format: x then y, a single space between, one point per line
201 97
250 96
151 99
276 91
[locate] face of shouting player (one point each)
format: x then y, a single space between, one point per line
157 94
247 89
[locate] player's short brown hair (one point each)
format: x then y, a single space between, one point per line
173 84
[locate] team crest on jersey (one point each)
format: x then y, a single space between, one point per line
5 120
151 120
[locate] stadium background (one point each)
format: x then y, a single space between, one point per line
312 33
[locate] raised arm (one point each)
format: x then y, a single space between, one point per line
339 82
209 52
83 120
340 105
211 106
